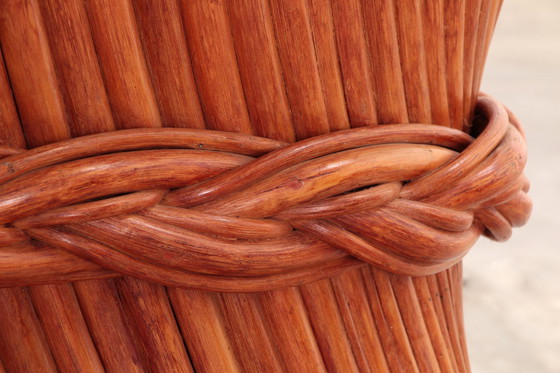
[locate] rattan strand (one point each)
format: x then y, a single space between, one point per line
231 212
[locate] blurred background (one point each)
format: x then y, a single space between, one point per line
512 289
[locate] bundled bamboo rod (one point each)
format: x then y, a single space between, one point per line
307 210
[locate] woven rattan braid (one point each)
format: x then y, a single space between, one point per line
230 212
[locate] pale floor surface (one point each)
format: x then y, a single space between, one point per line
512 289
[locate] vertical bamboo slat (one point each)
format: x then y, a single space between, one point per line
75 61
150 313
434 52
387 318
456 279
298 59
248 333
472 17
10 133
122 61
65 328
381 30
23 347
103 311
32 73
413 60
198 314
454 14
328 327
259 67
214 62
355 62
414 323
359 322
286 316
324 45
451 320
165 48
439 337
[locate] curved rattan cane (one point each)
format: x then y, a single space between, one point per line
230 212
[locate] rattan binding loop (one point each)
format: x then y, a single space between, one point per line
230 212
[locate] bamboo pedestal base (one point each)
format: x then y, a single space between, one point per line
252 186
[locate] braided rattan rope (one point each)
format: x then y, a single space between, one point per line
230 212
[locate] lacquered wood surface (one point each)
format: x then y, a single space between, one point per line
225 212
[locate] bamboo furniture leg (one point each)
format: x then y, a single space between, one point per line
246 186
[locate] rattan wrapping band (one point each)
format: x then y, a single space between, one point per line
231 212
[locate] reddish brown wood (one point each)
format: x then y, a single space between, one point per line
413 61
10 133
110 327
328 63
389 320
355 62
439 337
414 323
287 318
454 14
298 59
32 74
381 29
122 61
165 48
65 328
321 228
433 26
214 62
359 322
23 347
259 68
154 326
246 329
472 17
77 67
204 332
328 326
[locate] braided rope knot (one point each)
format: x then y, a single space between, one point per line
231 212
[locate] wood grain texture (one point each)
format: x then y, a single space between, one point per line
359 322
65 328
414 323
300 67
11 133
283 235
381 30
110 327
23 347
454 14
32 72
355 62
122 61
287 319
248 333
431 313
165 48
413 60
328 326
328 63
214 62
204 330
433 26
77 67
154 325
451 320
472 18
259 68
